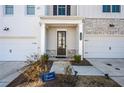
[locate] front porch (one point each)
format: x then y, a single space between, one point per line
63 37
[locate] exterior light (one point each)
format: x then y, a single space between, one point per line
80 36
6 29
111 25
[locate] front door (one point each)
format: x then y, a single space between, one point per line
61 43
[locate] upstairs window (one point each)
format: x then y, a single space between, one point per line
30 10
106 8
111 8
61 10
116 8
9 10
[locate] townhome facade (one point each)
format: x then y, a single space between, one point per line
92 31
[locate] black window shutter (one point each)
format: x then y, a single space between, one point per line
68 9
54 9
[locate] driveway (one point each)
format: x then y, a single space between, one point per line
113 67
9 71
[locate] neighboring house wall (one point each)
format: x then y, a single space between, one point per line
103 38
22 38
95 11
20 23
104 27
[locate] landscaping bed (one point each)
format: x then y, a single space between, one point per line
84 62
22 81
31 76
82 81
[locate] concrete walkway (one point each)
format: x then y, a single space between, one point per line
9 71
59 66
113 67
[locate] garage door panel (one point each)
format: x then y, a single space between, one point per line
101 47
16 50
97 55
96 49
94 44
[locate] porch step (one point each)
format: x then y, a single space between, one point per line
60 59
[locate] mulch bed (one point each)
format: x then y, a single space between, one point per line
63 81
22 80
96 81
82 81
84 62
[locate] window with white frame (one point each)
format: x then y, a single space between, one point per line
9 9
61 10
30 10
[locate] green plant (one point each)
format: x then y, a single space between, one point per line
44 58
69 77
77 58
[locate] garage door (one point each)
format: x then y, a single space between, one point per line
104 47
16 50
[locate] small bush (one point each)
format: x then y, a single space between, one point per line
77 58
33 71
35 67
69 77
44 58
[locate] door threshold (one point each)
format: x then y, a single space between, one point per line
61 56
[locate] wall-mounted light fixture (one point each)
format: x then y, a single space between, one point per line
80 35
6 28
111 25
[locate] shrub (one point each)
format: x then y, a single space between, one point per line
77 58
69 77
44 58
33 71
35 67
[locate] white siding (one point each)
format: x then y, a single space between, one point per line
23 33
95 11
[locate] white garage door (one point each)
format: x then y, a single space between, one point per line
104 47
16 50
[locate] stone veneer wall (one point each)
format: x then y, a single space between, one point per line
101 27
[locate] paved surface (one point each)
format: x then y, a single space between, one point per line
59 68
88 70
113 67
9 71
